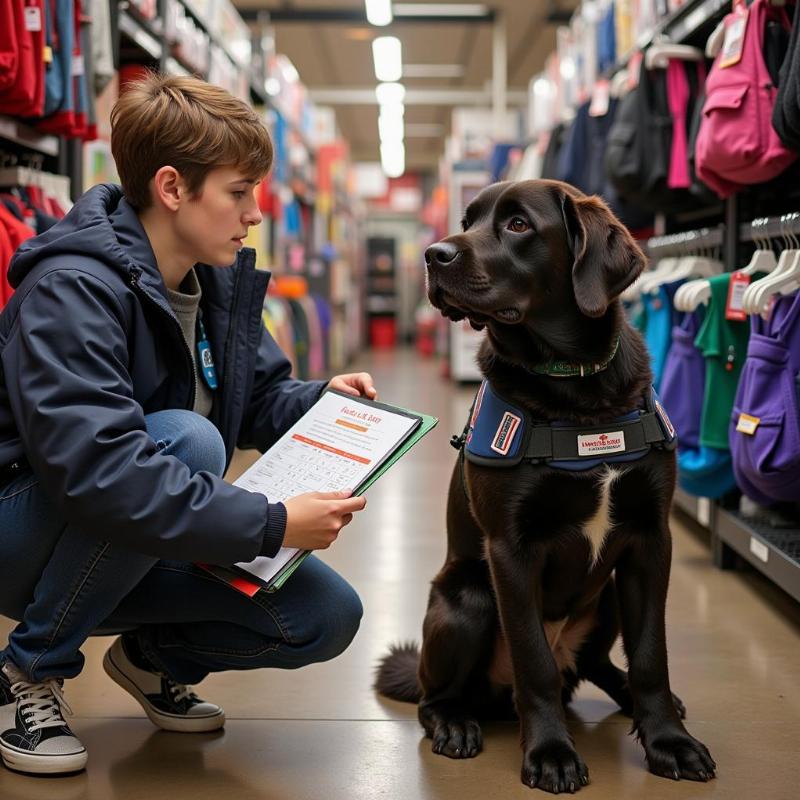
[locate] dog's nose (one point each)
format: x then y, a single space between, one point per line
441 253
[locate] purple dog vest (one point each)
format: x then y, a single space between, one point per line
765 424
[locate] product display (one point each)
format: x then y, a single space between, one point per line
573 225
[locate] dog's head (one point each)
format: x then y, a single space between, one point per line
530 251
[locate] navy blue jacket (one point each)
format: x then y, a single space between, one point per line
89 345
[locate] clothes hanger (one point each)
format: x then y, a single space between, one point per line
619 85
698 292
663 266
763 260
660 52
785 278
688 266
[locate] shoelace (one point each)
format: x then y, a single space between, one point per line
41 704
182 692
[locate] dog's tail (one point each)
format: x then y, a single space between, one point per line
396 676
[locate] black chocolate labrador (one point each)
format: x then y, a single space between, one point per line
543 564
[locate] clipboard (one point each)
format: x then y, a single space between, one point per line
249 583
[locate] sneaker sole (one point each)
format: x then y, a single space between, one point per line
25 761
167 722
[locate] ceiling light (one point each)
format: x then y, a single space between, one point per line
379 12
387 55
393 159
394 112
390 129
390 93
441 10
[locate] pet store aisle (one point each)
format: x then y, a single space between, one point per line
322 734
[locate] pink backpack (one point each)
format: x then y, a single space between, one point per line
736 144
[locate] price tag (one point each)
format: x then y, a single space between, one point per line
747 424
600 98
77 66
734 309
759 549
733 44
33 19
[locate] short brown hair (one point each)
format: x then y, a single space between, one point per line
188 124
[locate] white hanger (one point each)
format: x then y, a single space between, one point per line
763 259
659 53
16 176
664 266
619 84
785 277
716 40
689 266
692 294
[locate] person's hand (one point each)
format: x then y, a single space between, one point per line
356 383
313 520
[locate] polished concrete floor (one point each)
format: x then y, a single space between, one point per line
322 733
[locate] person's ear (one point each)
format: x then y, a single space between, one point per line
168 188
606 258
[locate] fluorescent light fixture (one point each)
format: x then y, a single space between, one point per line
432 70
390 128
393 159
394 112
440 10
379 12
388 58
389 94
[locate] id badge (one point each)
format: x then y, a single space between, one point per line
207 364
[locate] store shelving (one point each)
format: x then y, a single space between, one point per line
12 130
773 551
701 509
141 33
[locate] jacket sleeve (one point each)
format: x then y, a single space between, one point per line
66 372
276 401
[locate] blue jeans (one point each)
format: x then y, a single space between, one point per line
63 586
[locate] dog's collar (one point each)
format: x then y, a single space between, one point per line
568 369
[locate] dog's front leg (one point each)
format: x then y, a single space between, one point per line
642 576
550 761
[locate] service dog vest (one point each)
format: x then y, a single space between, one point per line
499 434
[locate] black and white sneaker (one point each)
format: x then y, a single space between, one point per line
170 705
33 734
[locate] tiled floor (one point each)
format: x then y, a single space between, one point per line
322 734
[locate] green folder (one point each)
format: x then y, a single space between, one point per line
427 423
235 576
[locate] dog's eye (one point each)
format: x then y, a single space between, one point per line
518 225
464 224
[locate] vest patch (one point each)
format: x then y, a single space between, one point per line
665 419
504 437
600 443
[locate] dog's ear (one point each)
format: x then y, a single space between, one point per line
606 258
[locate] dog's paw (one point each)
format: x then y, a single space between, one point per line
457 738
679 706
679 755
554 767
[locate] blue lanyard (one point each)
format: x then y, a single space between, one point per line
206 359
